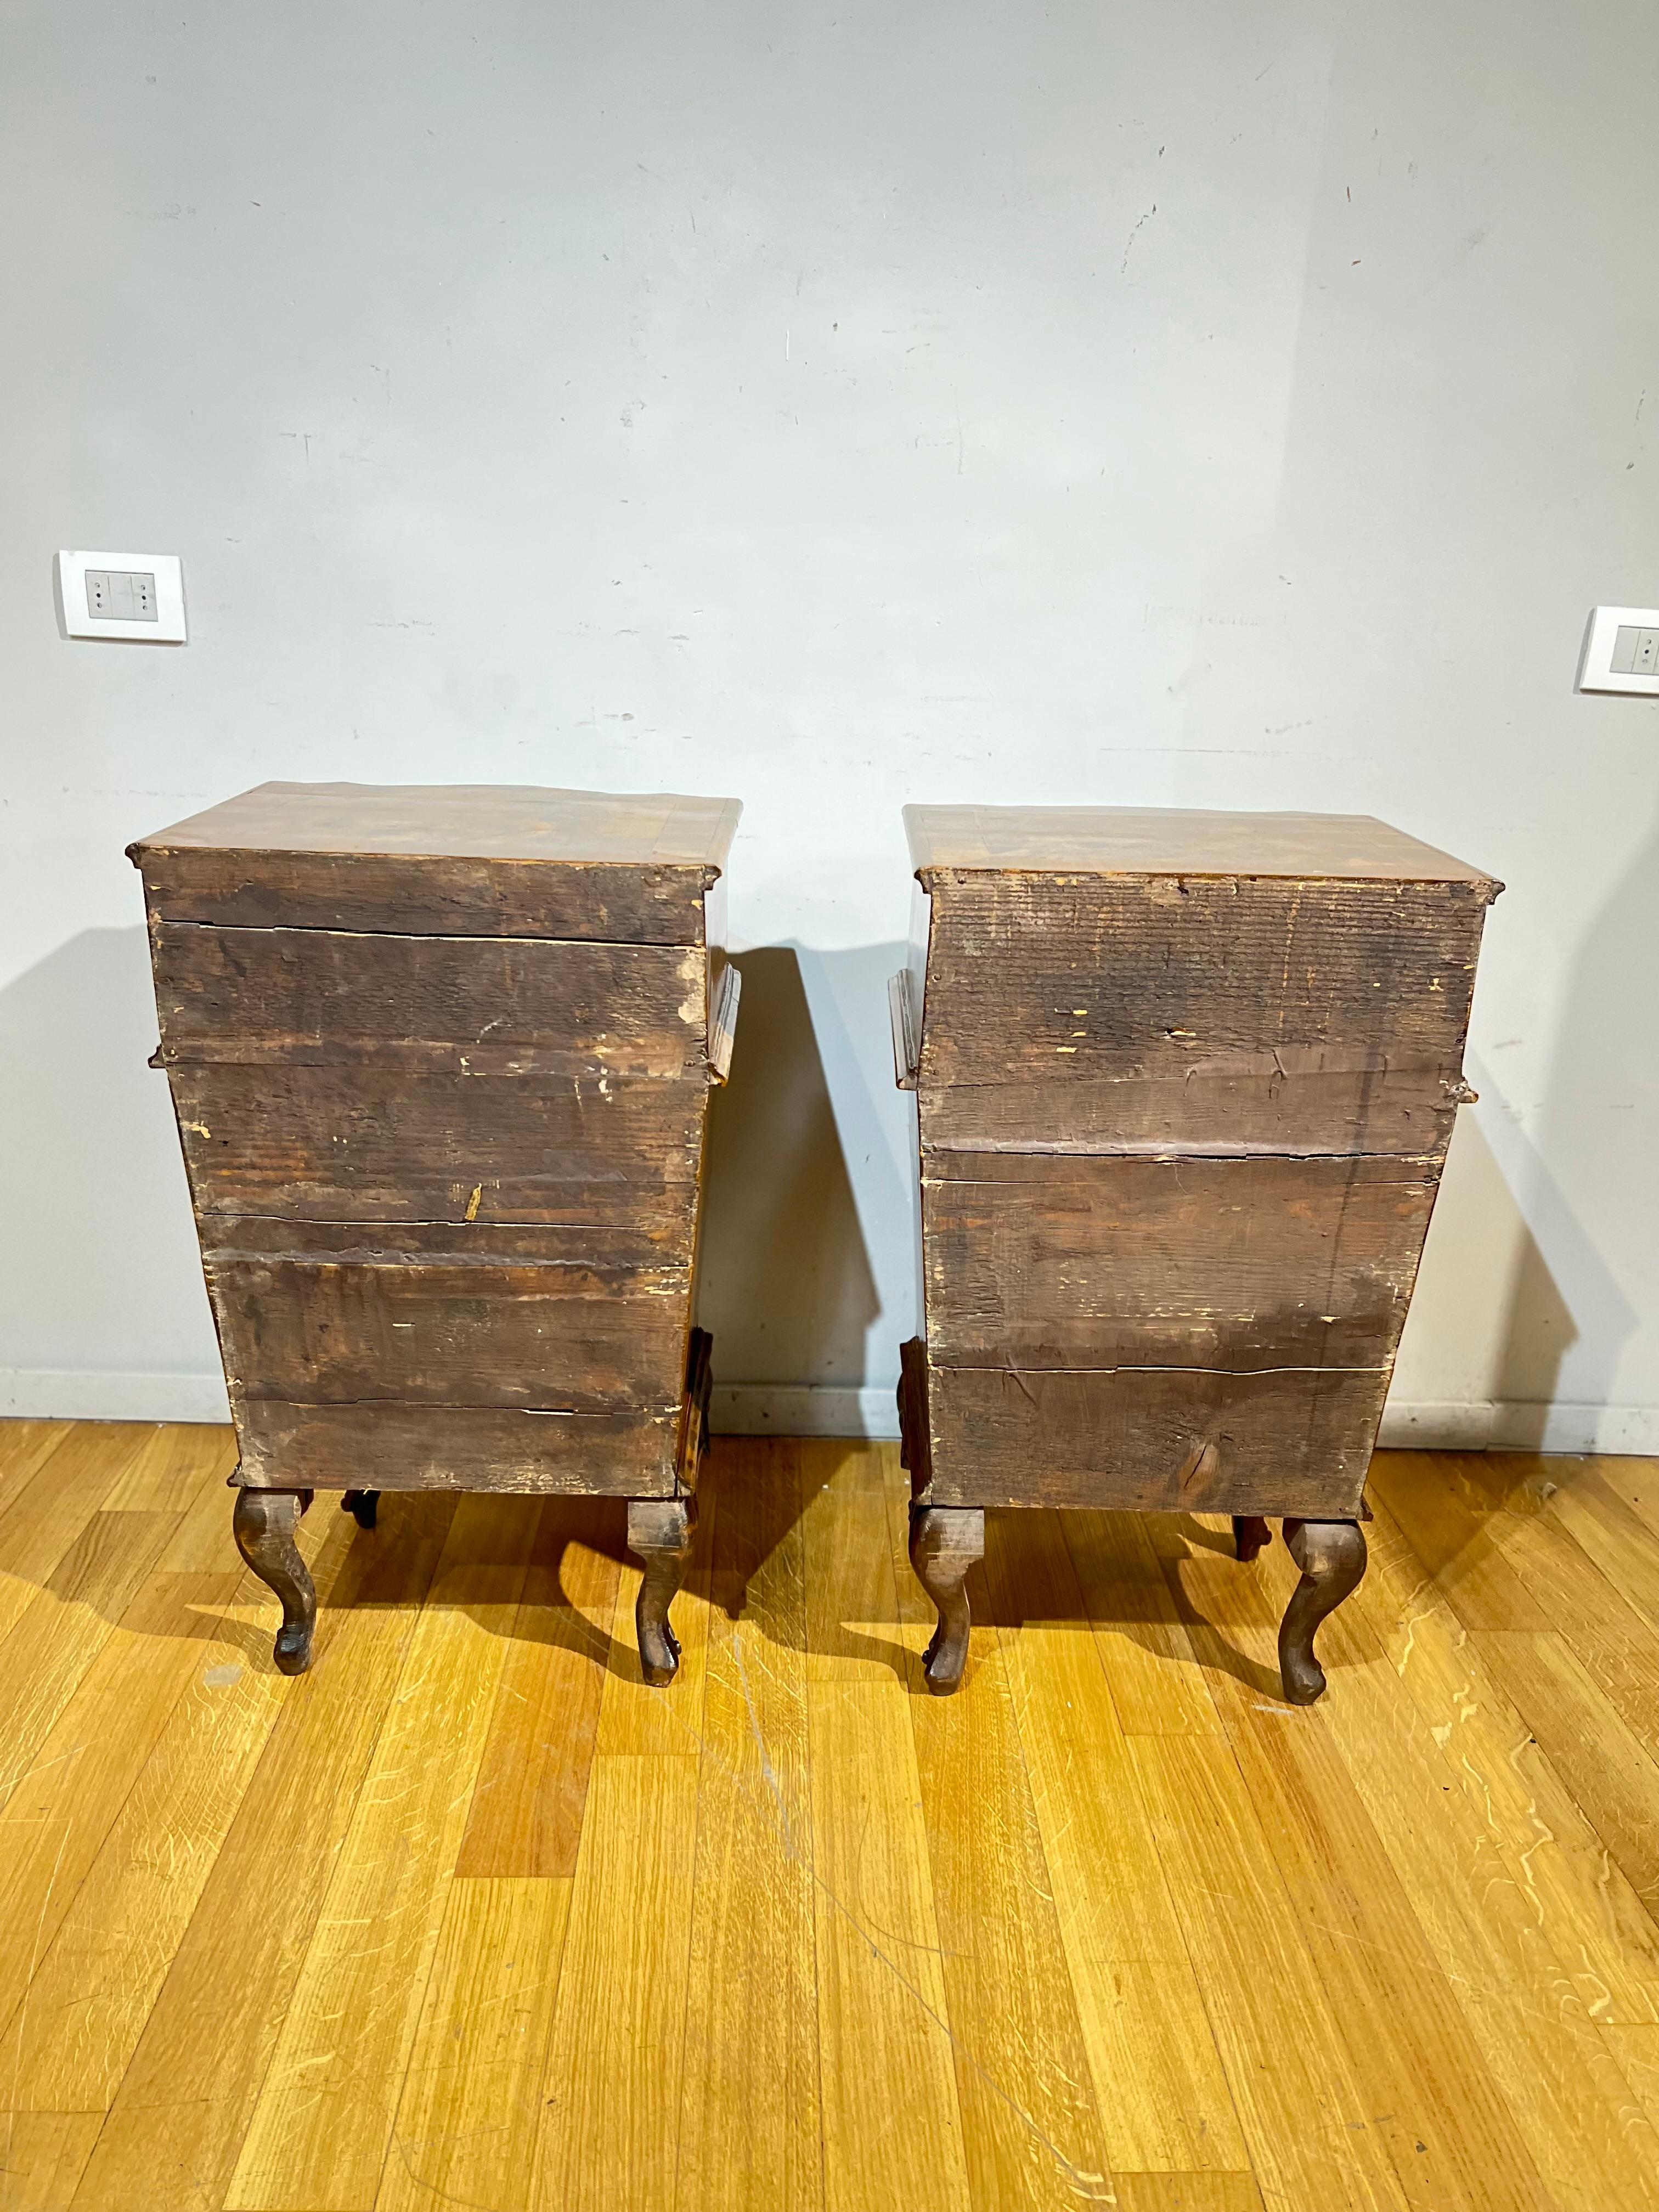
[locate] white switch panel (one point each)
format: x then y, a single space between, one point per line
1621 652
139 596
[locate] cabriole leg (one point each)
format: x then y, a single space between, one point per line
264 1524
659 1529
1250 1534
945 1540
1332 1557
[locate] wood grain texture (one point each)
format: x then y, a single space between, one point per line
1306 2115
1446 2128
438 821
1163 2100
326 2114
1598 1926
1055 1260
471 2107
882 2009
1062 980
527 1805
1313 1940
43 1660
1152 1669
1176 840
54 1508
476 859
1030 2126
186 2103
1564 2092
75 2031
326 1143
42 2157
25 1446
608 901
1156 1440
749 2127
1236 1114
380 1446
612 2092
565 1336
502 1005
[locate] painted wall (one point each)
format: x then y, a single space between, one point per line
1164 404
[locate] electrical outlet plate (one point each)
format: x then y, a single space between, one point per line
1621 652
135 596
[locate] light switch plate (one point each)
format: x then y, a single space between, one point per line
1621 652
137 596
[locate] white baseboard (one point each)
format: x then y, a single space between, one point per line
1516 1424
804 1409
836 1409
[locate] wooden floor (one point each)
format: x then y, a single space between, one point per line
469 1917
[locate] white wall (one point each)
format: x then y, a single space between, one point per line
1169 403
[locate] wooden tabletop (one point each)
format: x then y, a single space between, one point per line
482 821
1159 841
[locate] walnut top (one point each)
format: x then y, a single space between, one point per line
481 821
1155 840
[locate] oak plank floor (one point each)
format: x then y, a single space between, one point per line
467 1916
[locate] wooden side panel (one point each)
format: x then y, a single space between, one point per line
1161 983
382 1446
480 1005
1052 1261
584 1340
447 896
1155 1440
1245 1110
378 1144
611 1247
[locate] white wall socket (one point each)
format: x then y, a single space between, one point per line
138 595
1621 652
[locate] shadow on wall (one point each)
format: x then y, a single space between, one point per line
1597 1130
787 1287
101 1272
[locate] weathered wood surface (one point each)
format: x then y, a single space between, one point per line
1286 1440
384 1446
1060 1261
1404 1110
1176 840
486 821
571 1337
468 1006
454 897
469 859
610 1247
1079 979
376 1144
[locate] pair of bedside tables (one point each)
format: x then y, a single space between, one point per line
440 1059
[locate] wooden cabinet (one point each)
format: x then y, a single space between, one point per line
1185 1082
440 1058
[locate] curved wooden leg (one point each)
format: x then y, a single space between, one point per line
945 1540
264 1524
362 1505
1250 1534
659 1529
1332 1557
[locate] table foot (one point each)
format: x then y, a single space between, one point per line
945 1540
659 1529
1332 1557
1250 1535
264 1524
